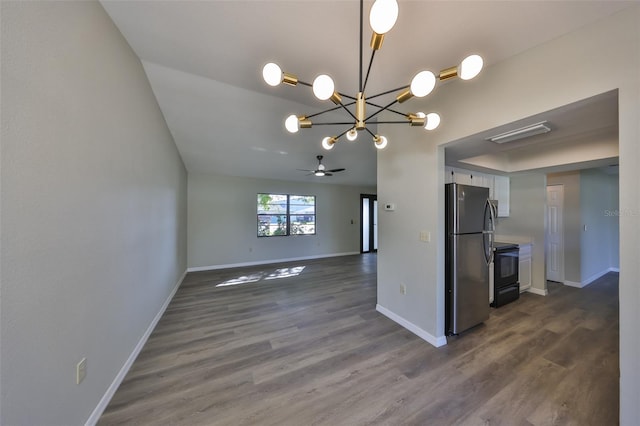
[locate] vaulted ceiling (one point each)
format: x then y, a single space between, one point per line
204 62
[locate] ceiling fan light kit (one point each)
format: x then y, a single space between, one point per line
321 170
382 18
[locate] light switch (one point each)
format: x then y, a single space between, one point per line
425 236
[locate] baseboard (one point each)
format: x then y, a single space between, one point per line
435 341
267 262
102 405
591 278
538 291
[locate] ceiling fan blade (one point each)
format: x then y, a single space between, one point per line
335 170
306 170
328 174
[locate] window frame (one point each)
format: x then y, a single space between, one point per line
288 215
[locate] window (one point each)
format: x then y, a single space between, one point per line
284 214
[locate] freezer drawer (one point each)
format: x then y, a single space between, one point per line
506 294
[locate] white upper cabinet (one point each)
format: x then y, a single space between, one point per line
459 176
502 194
498 185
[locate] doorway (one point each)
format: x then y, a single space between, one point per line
555 233
368 223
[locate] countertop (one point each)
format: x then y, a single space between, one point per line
513 239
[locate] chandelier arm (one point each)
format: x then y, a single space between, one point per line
373 53
347 109
392 122
380 110
370 132
343 133
348 97
388 91
328 110
304 83
336 123
388 109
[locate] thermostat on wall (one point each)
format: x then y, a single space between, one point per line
389 207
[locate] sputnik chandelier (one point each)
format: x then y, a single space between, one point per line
382 18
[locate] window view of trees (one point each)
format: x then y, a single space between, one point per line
284 214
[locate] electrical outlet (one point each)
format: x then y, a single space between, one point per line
81 371
403 289
425 236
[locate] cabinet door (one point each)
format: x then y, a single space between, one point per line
524 267
491 280
449 175
463 178
489 183
501 189
485 181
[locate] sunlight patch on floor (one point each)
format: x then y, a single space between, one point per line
273 275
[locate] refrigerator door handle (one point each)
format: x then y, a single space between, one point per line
491 231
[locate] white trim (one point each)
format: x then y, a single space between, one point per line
266 262
435 341
596 276
538 291
102 405
591 278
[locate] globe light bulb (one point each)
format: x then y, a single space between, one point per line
383 16
272 74
433 121
323 87
423 83
470 67
352 135
327 143
380 142
292 124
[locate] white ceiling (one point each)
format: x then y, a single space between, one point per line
204 62
583 134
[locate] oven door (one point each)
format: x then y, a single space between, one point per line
505 267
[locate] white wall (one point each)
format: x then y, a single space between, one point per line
527 219
222 221
600 239
93 209
591 199
594 59
572 222
410 171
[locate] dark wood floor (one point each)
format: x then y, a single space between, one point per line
310 349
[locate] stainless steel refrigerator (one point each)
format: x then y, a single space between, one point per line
469 251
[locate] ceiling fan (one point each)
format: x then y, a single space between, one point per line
321 170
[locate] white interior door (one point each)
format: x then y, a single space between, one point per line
555 233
